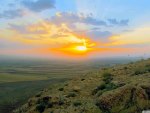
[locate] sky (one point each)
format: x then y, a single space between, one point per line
74 28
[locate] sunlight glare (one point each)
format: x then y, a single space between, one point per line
81 48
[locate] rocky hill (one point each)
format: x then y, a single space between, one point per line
119 89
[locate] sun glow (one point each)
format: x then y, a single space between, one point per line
81 48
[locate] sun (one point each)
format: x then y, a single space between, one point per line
81 48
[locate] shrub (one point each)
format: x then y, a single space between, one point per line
104 87
77 103
104 106
40 107
100 87
147 67
61 89
71 94
140 71
82 79
111 86
125 68
46 99
107 77
50 105
99 93
38 94
66 84
61 100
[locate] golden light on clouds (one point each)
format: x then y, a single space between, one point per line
80 48
60 40
139 35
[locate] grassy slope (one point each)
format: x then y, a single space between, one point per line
120 89
21 79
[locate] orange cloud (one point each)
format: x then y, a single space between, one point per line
60 40
43 33
138 36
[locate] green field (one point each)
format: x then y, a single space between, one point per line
21 79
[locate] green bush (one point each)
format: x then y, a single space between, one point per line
38 94
82 79
71 94
104 87
77 103
147 67
61 100
61 89
139 71
42 103
100 87
40 107
125 68
107 77
99 93
111 86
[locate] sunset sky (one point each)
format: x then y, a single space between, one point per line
71 28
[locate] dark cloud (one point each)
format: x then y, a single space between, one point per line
72 18
39 5
119 23
11 14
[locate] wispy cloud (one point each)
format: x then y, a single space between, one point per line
101 36
138 36
114 21
71 18
11 14
27 29
39 5
42 33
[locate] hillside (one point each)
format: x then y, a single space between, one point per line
119 89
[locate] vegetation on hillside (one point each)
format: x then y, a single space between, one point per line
18 75
119 89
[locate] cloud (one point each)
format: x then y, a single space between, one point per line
26 29
7 44
39 5
100 35
119 23
42 33
63 28
80 21
11 14
71 18
138 36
